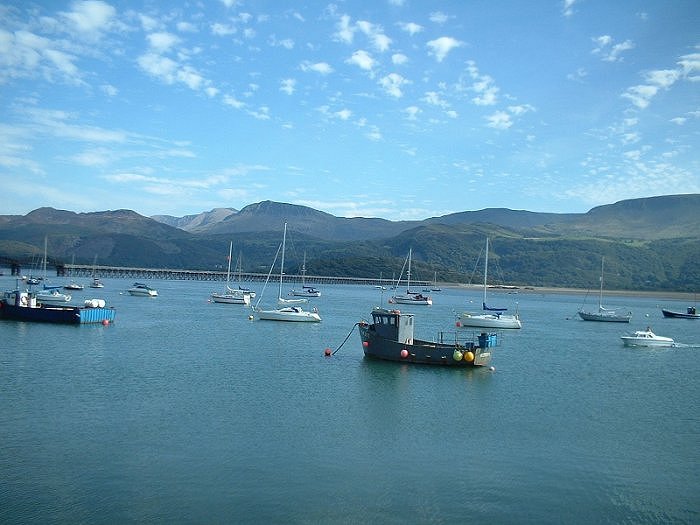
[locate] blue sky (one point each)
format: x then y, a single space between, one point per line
401 109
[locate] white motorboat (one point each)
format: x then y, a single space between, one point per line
646 338
52 296
142 290
73 286
285 313
96 283
491 317
290 313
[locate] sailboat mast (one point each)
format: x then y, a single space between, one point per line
600 294
486 268
228 272
45 248
284 242
408 273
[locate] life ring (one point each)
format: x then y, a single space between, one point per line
23 300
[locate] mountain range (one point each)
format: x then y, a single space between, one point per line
648 244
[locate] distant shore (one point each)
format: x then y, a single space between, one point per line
669 295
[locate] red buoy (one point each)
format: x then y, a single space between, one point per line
327 352
365 343
105 322
404 353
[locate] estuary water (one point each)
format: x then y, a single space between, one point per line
186 411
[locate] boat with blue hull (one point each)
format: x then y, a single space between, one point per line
390 337
24 306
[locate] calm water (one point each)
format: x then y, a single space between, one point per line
184 411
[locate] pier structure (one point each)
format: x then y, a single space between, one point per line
121 272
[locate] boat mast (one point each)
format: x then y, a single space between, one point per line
284 241
408 272
486 268
228 272
600 294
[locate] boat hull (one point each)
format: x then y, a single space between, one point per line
422 352
292 314
605 317
488 321
679 315
231 298
57 314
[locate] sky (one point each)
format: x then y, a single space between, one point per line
400 109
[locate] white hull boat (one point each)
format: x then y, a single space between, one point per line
286 313
142 290
410 297
230 295
491 317
646 338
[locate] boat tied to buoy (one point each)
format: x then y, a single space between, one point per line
390 336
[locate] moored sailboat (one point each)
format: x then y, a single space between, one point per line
291 312
491 317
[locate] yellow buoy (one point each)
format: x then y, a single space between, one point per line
468 357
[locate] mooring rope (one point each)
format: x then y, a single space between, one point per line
346 338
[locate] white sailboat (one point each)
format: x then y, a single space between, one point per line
306 291
230 295
491 317
410 297
604 314
291 312
50 294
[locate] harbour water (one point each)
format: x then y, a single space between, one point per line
186 411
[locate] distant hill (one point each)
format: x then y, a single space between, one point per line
199 222
270 216
648 244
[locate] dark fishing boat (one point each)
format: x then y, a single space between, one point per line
390 337
24 306
690 313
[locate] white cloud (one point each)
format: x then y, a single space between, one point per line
483 85
411 27
162 42
438 17
319 67
345 31
499 120
608 51
288 86
433 98
392 84
232 101
90 17
362 59
223 29
412 112
568 7
440 47
343 114
376 35
398 59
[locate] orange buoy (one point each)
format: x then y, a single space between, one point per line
468 357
